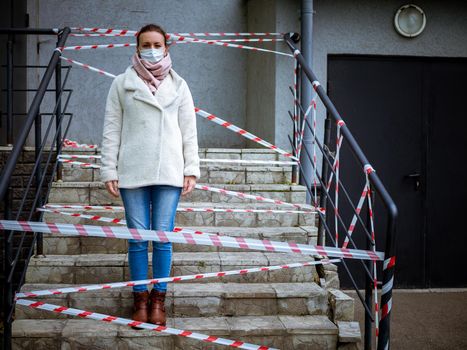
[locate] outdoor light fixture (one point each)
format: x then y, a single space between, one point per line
410 21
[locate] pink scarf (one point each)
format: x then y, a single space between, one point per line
152 73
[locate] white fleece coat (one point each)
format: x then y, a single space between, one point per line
149 139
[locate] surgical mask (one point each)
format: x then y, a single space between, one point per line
152 55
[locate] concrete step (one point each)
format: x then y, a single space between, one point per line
283 332
95 193
212 173
204 218
102 268
196 300
260 153
72 245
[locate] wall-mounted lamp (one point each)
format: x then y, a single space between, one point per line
410 21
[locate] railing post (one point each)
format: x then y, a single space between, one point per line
306 13
7 288
38 175
388 281
9 86
368 284
58 114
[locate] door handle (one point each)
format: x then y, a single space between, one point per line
416 179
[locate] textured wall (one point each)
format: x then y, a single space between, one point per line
249 89
216 76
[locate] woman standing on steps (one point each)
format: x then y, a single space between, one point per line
150 155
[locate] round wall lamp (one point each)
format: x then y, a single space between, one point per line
410 21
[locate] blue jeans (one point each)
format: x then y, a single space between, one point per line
161 201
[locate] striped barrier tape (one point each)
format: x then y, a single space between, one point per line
203 114
242 132
85 207
78 156
243 40
94 35
93 47
354 218
340 123
113 46
134 32
204 160
375 278
173 37
248 161
255 197
131 323
74 144
94 287
87 66
203 210
188 238
115 220
82 164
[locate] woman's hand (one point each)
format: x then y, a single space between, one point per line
112 187
189 183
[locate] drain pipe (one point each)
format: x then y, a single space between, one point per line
305 87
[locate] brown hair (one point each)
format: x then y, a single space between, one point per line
151 28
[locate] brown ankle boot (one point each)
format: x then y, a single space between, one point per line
140 306
157 308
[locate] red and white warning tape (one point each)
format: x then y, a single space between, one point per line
354 218
113 46
188 238
255 197
93 287
242 132
74 144
87 66
248 161
243 40
115 220
134 32
79 156
85 207
202 210
131 323
173 38
93 47
81 35
82 164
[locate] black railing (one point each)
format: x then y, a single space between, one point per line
18 247
330 217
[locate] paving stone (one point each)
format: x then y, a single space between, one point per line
74 173
349 332
341 305
69 194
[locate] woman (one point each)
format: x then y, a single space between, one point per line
150 155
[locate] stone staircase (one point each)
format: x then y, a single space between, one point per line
285 309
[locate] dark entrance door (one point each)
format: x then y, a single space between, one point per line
408 116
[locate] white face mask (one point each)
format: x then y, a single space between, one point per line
152 55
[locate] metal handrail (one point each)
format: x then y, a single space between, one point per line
13 249
377 186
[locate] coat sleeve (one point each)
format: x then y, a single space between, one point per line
187 123
111 135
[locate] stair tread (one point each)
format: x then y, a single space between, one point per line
240 325
226 290
253 187
179 258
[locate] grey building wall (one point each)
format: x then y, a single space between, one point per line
216 75
249 89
